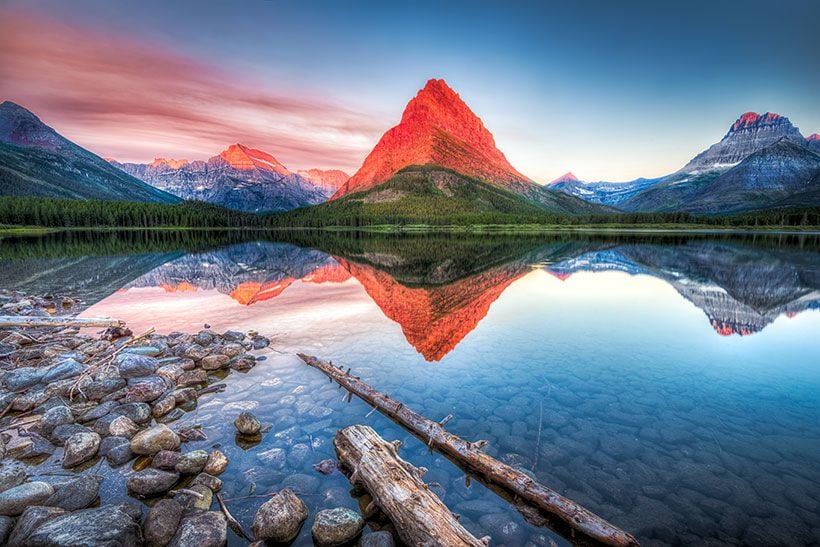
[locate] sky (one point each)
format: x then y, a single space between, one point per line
608 90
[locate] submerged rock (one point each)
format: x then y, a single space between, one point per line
280 518
382 538
336 526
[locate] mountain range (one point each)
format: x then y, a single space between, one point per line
761 162
35 160
439 161
239 177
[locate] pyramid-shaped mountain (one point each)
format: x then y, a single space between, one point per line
438 128
35 160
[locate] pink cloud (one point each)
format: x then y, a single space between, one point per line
133 101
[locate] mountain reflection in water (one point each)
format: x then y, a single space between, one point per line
439 289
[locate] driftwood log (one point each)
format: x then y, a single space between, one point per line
34 322
419 516
469 456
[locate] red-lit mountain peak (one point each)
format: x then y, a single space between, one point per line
813 137
437 127
752 119
244 158
566 177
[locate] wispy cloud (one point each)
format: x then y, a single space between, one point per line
134 101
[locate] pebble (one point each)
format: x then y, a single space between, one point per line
150 482
139 413
79 448
14 500
280 518
162 522
207 529
145 390
192 462
337 526
208 480
151 441
109 525
247 424
166 459
11 475
61 371
216 464
77 494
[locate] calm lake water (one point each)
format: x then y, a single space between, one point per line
669 384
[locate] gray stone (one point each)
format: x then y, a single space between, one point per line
151 441
62 432
162 522
192 462
247 424
66 369
76 494
145 390
11 475
280 518
131 365
6 524
150 351
192 378
23 377
139 413
503 529
207 529
337 526
14 500
166 459
79 448
99 389
99 411
151 482
108 443
119 454
105 526
31 519
302 483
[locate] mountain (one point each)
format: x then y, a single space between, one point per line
239 177
329 180
813 142
763 179
612 194
750 133
721 180
37 161
430 194
567 178
438 128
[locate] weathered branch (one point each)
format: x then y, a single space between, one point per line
419 516
468 455
33 322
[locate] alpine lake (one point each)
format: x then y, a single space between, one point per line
670 383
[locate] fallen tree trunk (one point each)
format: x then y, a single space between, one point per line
33 322
469 456
419 516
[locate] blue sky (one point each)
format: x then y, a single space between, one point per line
609 90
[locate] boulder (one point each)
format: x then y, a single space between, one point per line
280 518
151 441
14 500
151 482
104 526
247 424
79 448
11 475
77 494
207 529
162 522
336 526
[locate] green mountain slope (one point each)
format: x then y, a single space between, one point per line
434 195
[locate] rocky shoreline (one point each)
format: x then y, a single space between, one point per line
79 398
